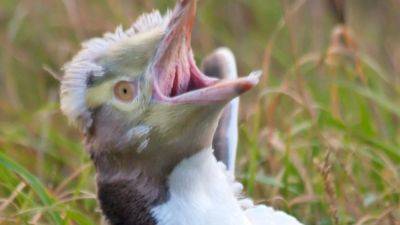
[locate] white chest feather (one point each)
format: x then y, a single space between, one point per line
201 193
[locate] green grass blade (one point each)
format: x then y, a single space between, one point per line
34 182
79 218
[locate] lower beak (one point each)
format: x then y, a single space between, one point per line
221 92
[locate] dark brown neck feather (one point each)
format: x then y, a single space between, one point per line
123 204
127 192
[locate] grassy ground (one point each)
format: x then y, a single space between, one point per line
320 137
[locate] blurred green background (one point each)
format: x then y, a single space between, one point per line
319 138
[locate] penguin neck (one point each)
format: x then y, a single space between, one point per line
197 184
129 186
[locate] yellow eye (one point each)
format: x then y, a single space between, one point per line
124 91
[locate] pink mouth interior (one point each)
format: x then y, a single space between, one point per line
181 76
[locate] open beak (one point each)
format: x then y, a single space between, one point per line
177 79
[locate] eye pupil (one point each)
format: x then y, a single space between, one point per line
124 91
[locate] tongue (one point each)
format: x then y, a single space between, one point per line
181 80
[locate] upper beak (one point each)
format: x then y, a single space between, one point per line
181 24
179 32
176 76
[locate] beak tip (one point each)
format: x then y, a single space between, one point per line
185 2
189 6
255 77
251 81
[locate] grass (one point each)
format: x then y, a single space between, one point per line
320 137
